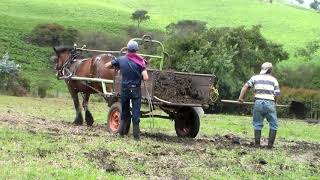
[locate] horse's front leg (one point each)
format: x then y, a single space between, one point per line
88 115
78 119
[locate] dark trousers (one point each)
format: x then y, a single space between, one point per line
133 94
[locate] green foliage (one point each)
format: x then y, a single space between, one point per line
312 50
186 27
232 54
69 36
310 98
53 35
100 40
315 5
9 76
43 86
140 16
8 67
304 73
46 34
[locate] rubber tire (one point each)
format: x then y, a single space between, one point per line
190 119
116 107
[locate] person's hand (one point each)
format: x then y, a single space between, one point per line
241 100
107 65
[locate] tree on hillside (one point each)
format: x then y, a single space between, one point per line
140 16
300 1
311 50
186 27
315 5
232 54
53 34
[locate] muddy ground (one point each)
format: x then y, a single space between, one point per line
162 161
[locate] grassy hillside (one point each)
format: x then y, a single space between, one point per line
287 25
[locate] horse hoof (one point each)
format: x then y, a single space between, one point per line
89 118
77 123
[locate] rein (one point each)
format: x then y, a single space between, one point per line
66 65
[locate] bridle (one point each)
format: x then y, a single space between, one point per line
64 70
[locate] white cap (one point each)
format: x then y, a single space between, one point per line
265 67
133 45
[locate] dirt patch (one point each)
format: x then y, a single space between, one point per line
229 141
176 88
51 126
298 147
103 159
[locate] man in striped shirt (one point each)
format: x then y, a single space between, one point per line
266 89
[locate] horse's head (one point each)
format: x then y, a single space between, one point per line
62 55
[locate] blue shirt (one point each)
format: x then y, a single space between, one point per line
130 71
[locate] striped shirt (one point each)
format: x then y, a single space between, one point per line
265 86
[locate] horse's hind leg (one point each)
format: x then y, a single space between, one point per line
79 119
88 115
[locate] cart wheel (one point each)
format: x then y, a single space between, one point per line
114 119
187 123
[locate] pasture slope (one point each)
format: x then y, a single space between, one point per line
281 23
39 142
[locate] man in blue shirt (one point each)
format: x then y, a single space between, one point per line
133 70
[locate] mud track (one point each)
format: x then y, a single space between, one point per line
60 128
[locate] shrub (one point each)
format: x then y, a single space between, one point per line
8 70
302 70
310 98
9 76
232 54
43 86
315 5
53 35
186 27
100 40
69 36
46 34
304 75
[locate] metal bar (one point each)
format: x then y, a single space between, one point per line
117 52
108 81
100 51
185 73
156 116
102 81
144 39
153 41
251 103
104 89
176 104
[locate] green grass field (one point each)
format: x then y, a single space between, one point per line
281 23
37 141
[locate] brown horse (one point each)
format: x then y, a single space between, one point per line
68 62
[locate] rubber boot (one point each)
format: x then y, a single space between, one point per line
257 138
136 132
272 138
121 130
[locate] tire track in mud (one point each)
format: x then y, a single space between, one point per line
61 128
